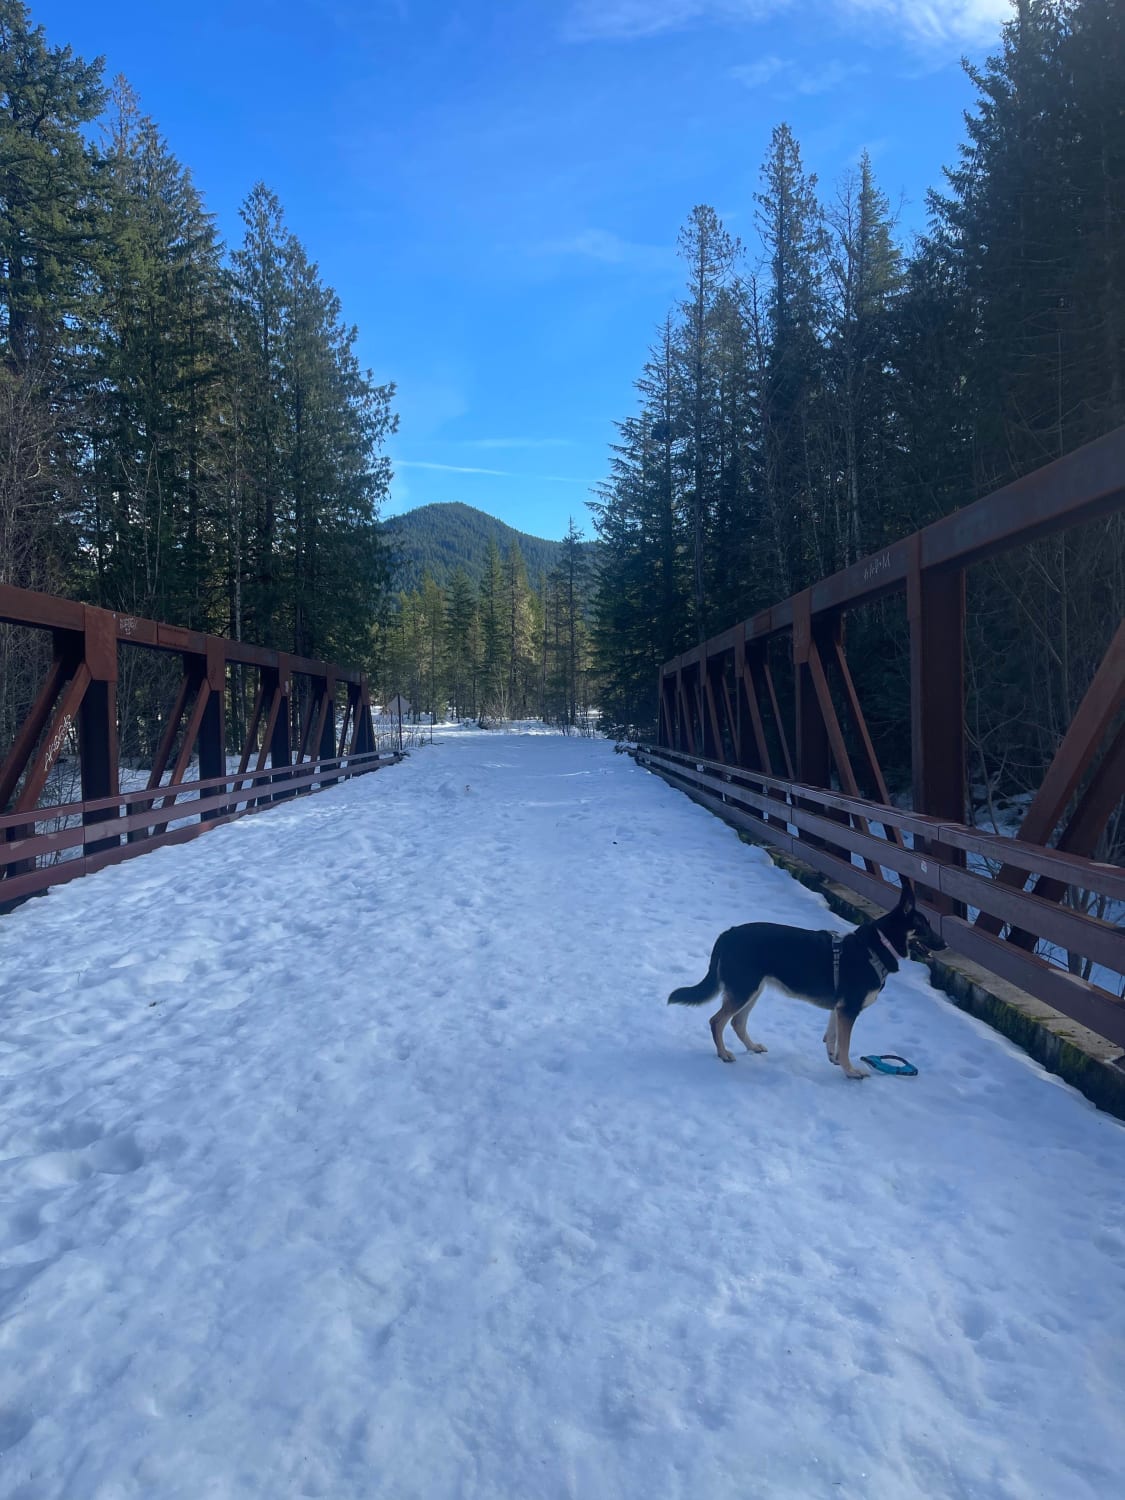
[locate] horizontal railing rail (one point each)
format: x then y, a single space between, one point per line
822 828
770 706
300 725
204 804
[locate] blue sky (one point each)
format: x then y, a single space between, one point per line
495 189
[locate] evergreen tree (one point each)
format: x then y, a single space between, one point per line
492 632
792 231
866 275
709 253
462 642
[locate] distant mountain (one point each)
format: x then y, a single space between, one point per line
440 538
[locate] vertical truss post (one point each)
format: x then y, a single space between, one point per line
212 728
279 741
710 732
813 750
326 726
935 606
97 722
687 732
364 742
665 715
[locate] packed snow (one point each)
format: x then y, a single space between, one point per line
351 1150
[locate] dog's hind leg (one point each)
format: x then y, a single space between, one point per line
719 1021
738 1021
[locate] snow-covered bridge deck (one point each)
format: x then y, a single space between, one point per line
352 1151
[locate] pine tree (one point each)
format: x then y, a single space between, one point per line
791 226
492 633
710 254
865 269
462 642
49 221
152 472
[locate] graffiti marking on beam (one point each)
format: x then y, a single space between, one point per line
126 624
56 742
876 565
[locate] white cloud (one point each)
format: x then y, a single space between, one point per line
622 20
518 443
608 249
410 463
931 23
938 22
757 74
824 79
789 77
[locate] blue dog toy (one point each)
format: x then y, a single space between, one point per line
892 1063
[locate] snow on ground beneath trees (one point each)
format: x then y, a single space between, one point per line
352 1150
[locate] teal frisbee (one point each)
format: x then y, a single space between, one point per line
890 1062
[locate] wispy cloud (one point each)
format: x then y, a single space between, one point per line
608 249
937 23
929 23
410 463
785 77
625 20
519 442
763 70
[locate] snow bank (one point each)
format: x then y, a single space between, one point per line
352 1151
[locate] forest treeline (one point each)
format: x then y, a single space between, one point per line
505 646
185 430
827 389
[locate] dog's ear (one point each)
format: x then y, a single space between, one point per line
906 900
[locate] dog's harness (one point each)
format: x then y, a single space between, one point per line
881 969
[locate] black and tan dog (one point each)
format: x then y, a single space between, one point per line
842 975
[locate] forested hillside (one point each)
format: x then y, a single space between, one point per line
509 643
826 389
438 539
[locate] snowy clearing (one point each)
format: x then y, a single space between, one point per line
352 1151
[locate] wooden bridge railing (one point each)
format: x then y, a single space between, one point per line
298 742
724 739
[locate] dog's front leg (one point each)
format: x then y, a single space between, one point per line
843 1038
829 1037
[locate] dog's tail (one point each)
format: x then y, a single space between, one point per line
696 994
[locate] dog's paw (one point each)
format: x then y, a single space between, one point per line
726 1057
757 1047
856 1072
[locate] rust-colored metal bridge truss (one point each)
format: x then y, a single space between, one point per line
1001 902
294 741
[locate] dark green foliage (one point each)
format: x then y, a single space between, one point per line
438 539
793 421
181 435
498 649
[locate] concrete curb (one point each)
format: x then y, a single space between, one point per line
1081 1058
